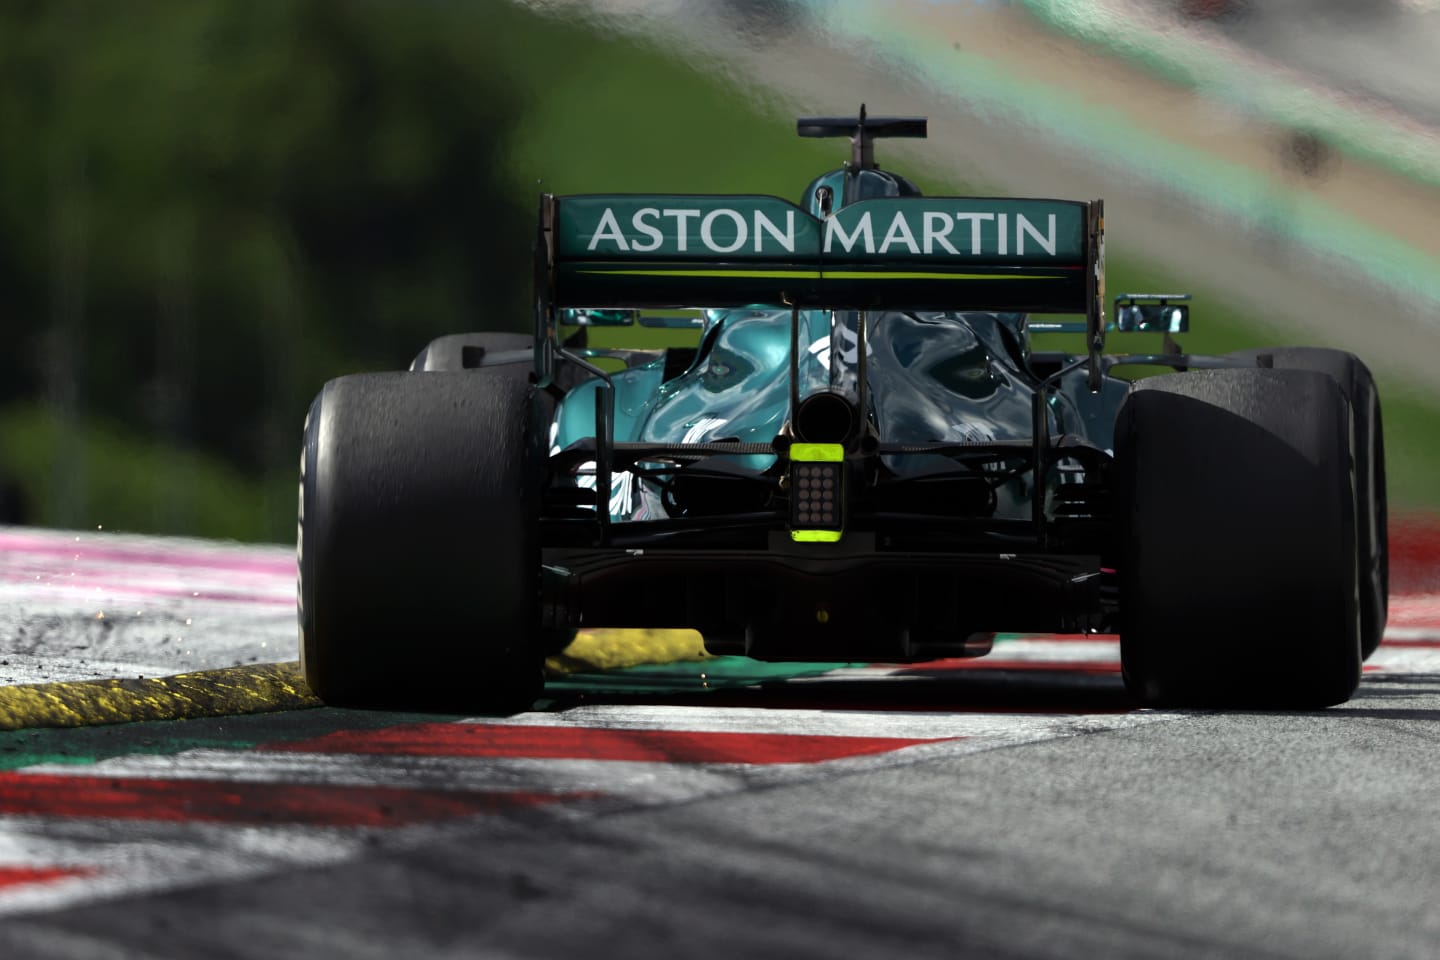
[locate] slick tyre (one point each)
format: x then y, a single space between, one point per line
507 355
1358 386
418 543
1237 523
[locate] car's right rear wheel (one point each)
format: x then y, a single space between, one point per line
1237 522
1358 385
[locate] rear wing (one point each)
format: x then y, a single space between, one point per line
910 253
921 253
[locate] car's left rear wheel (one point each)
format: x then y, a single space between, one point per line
418 543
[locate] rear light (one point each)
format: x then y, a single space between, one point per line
817 492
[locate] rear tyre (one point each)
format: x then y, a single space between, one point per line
418 543
1359 388
1238 575
511 356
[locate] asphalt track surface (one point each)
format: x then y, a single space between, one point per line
1012 807
1016 806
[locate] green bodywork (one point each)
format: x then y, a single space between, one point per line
935 373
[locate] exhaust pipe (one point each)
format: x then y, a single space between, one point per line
826 417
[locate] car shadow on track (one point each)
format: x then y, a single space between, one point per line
1398 685
1377 713
907 690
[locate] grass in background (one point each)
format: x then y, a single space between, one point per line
605 114
132 482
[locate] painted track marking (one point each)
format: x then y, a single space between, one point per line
202 815
396 786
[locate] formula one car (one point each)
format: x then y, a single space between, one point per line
863 459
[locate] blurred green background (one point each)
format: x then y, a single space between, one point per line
209 209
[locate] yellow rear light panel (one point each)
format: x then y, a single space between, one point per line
817 492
